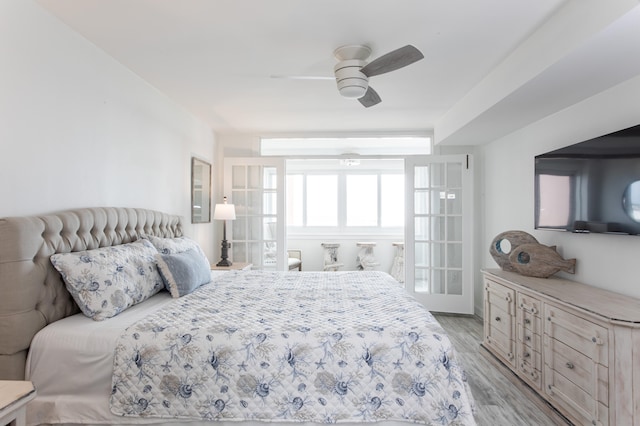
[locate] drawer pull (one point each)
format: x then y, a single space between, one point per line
498 319
532 309
508 298
527 321
527 338
526 355
597 341
548 318
569 365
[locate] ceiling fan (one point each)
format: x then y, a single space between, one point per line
352 71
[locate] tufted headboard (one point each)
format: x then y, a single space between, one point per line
32 293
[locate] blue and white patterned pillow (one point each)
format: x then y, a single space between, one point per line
183 272
176 245
108 280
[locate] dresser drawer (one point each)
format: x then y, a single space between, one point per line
532 375
501 321
529 304
578 368
500 296
527 354
575 400
530 354
502 345
577 333
529 338
576 360
530 322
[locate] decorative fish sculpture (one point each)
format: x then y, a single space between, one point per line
538 260
515 239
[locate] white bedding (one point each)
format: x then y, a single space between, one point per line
83 395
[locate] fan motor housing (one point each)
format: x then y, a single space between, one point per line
352 83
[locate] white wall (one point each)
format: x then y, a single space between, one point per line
77 129
507 202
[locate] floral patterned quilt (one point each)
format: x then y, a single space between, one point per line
292 347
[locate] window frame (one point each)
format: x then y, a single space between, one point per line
342 228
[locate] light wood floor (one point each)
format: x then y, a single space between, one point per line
501 398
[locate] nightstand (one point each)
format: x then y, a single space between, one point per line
236 266
14 396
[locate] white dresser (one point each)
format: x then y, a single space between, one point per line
576 345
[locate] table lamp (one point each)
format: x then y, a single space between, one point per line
224 212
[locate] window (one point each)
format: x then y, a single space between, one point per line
295 199
331 195
362 200
322 200
311 147
392 192
334 188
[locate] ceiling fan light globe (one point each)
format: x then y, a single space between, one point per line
352 92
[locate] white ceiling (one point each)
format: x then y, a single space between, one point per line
216 57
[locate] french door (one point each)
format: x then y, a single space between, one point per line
438 234
256 187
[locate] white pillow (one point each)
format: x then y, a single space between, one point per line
106 281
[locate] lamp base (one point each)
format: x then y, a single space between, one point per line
224 253
224 262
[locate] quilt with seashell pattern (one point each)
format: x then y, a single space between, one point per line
292 347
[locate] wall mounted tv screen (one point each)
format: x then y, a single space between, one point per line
592 186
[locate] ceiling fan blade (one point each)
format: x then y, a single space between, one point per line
370 98
392 61
302 77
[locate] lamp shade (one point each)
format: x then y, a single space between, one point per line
224 212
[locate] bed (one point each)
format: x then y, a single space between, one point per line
246 346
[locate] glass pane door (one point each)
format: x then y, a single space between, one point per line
256 189
438 232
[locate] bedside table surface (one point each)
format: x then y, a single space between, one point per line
12 391
234 267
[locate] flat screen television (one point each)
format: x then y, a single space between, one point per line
592 186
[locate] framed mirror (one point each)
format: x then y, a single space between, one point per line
200 191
